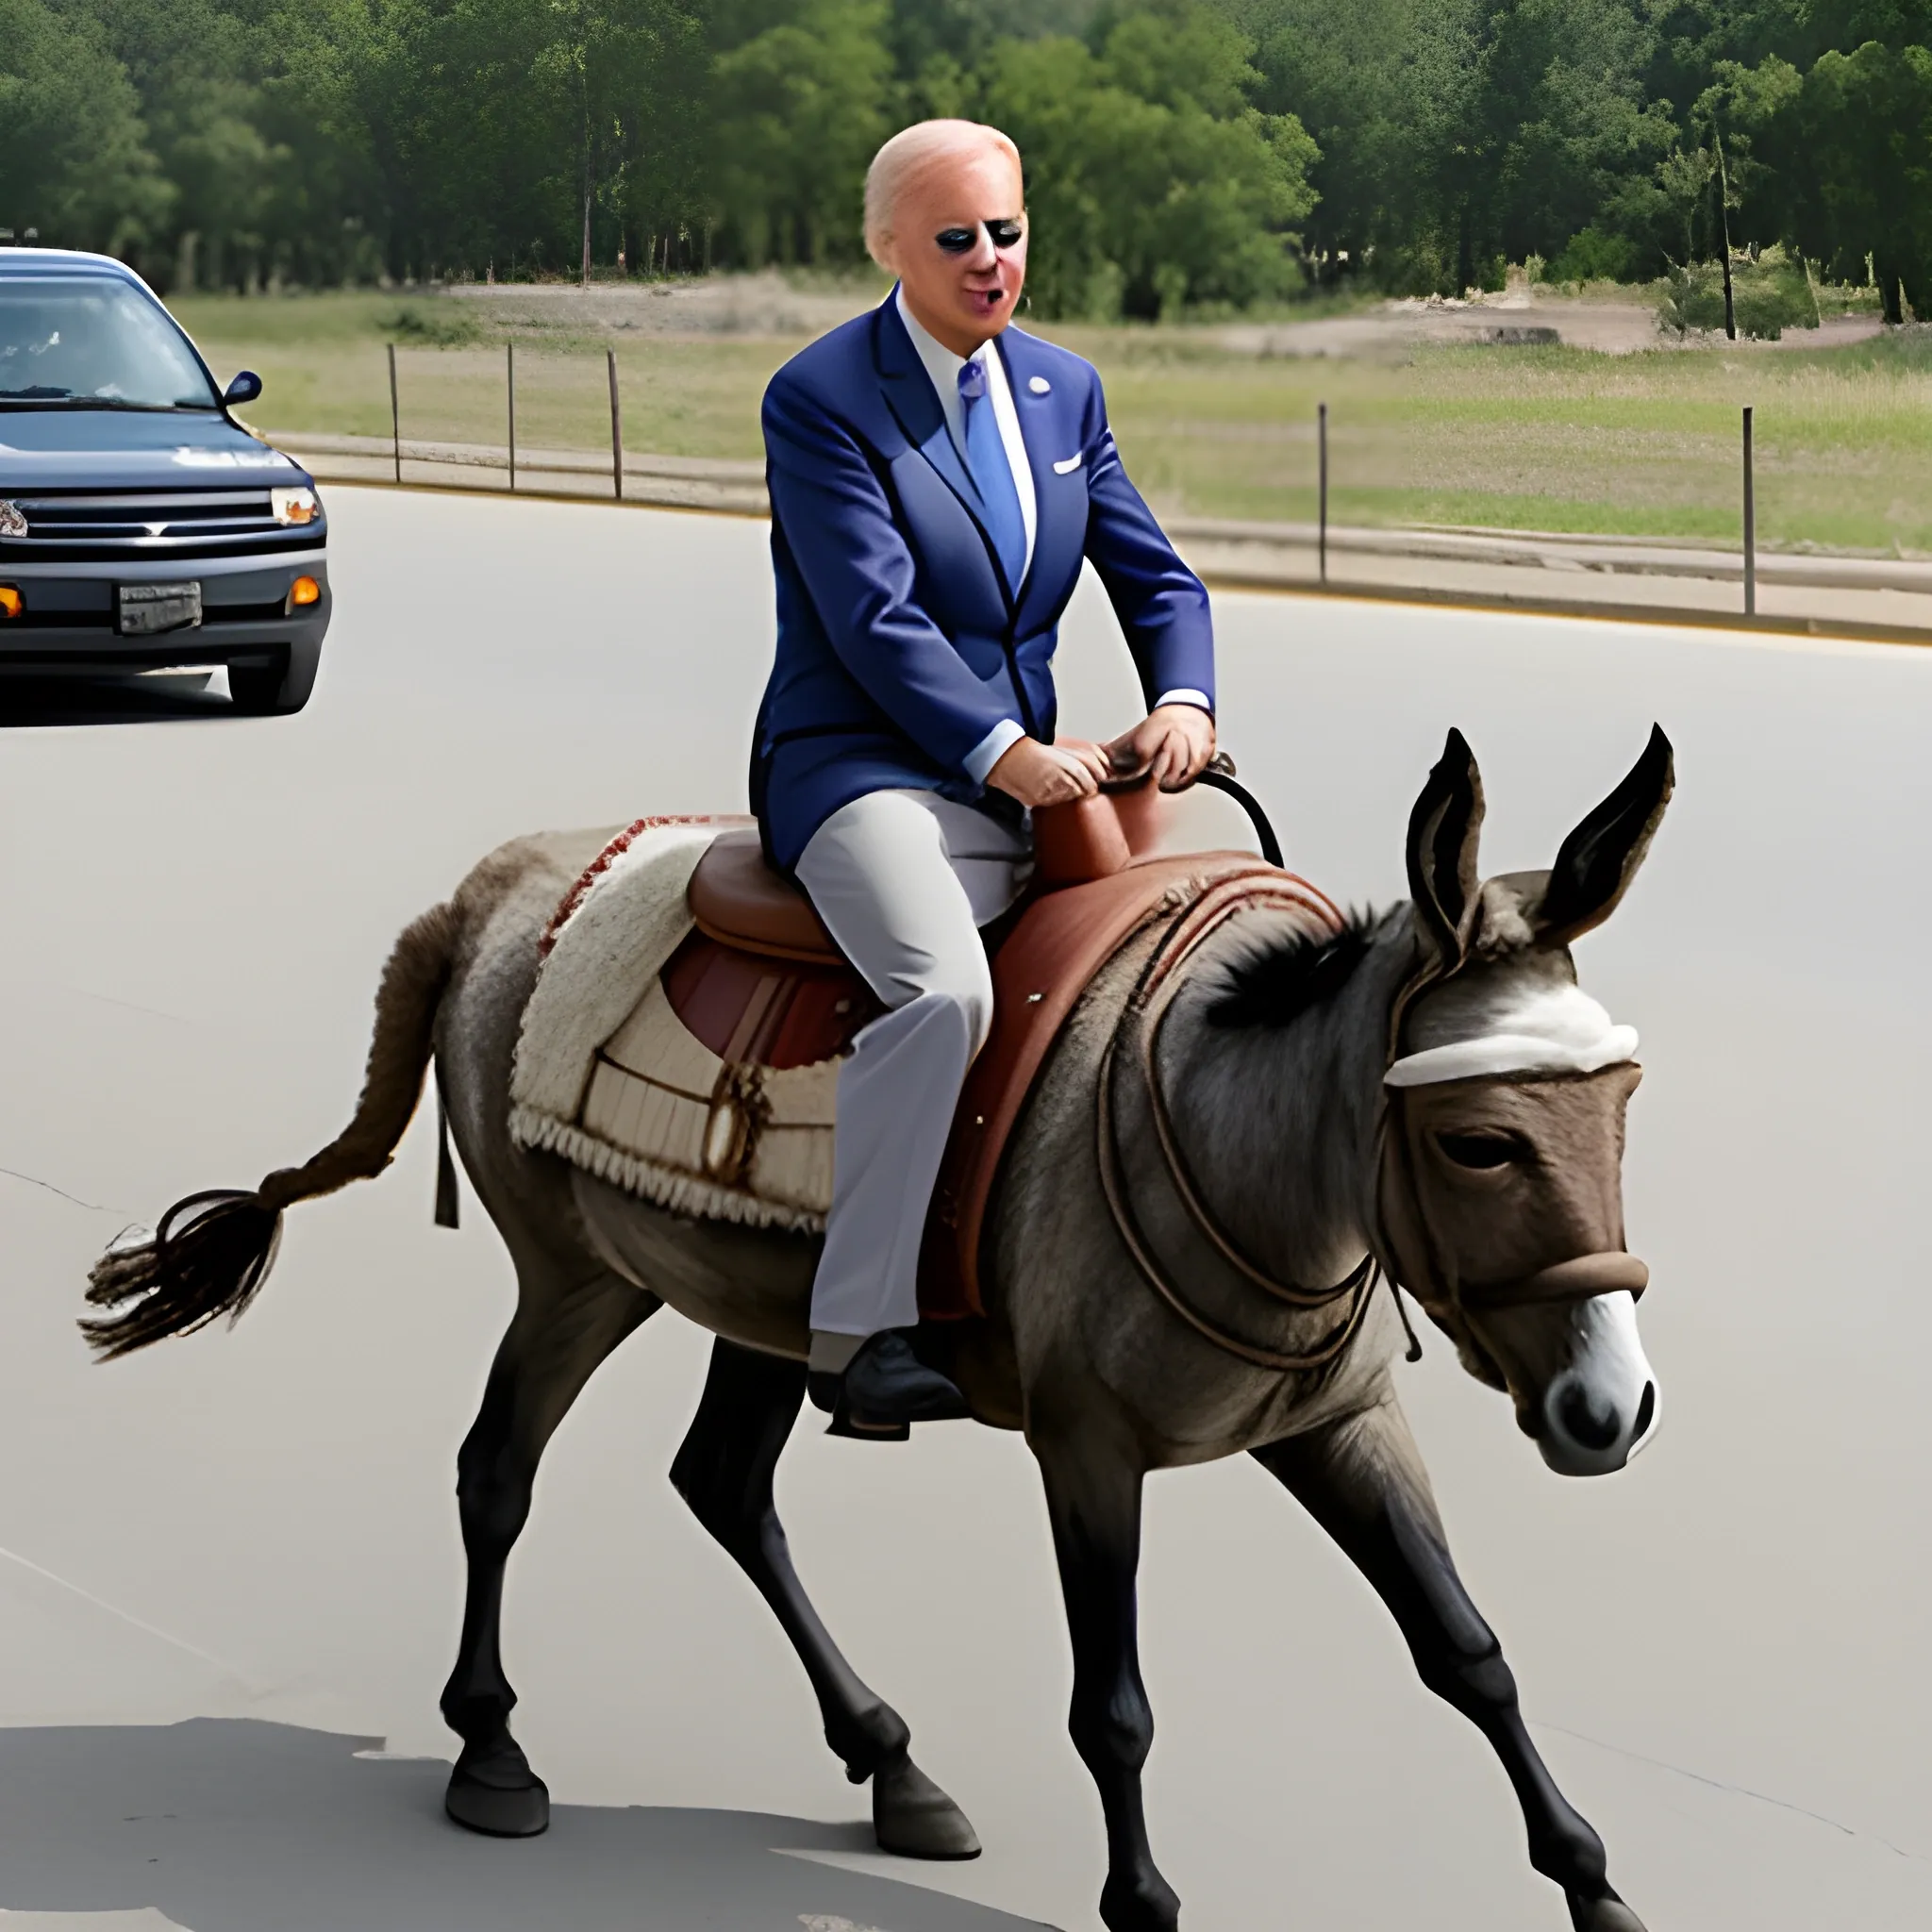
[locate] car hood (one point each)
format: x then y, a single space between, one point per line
128 449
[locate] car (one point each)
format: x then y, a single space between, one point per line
141 527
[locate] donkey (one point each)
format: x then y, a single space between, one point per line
1427 1095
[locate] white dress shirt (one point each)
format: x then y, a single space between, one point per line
943 367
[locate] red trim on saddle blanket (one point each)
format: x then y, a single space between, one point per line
614 851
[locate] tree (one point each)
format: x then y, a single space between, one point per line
74 162
1152 180
597 59
802 107
1863 173
1340 68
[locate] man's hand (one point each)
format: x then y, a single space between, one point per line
1037 775
1172 741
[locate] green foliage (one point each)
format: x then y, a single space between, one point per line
1866 118
1152 181
802 108
1593 254
1768 296
1181 154
426 326
74 162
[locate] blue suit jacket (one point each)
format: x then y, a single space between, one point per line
899 644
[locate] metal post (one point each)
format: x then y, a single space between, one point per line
395 419
509 363
616 429
1750 526
1322 446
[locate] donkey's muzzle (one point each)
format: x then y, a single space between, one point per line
1603 1407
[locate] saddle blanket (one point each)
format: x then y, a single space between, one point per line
704 1079
731 1127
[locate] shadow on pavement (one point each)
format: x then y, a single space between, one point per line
109 700
227 1826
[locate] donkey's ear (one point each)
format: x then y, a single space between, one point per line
1443 833
1600 858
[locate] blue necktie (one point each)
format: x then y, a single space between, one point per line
993 475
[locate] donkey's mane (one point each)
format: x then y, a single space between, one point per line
1279 979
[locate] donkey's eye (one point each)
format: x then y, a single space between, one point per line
1483 1150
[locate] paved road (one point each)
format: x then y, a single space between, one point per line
1723 1649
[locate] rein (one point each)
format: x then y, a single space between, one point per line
1145 1008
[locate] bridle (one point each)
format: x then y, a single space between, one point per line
1136 1038
1434 1280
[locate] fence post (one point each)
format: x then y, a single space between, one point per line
616 429
395 418
509 363
1750 525
1322 526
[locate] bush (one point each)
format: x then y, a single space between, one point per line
1594 256
1768 296
431 326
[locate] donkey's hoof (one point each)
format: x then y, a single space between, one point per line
493 1790
1138 1902
912 1818
1608 1913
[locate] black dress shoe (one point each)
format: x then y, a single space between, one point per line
884 1390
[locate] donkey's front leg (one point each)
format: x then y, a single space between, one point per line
1362 1480
1094 1496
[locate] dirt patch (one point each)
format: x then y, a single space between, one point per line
759 305
1513 319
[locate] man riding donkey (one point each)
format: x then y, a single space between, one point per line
937 477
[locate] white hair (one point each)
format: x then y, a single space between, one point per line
908 153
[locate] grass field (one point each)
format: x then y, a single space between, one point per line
1515 438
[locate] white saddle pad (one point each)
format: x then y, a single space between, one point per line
608 1077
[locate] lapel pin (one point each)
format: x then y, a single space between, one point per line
1039 385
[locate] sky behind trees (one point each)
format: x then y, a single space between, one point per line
1180 153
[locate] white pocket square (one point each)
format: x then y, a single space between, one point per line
1068 466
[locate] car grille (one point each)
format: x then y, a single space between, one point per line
188 524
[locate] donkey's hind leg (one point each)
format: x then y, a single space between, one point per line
1362 1480
723 1470
553 1345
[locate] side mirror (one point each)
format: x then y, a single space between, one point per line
244 389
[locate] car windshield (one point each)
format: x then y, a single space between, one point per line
92 341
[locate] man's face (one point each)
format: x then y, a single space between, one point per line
964 294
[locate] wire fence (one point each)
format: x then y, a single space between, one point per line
1337 490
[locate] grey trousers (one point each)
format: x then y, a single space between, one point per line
903 880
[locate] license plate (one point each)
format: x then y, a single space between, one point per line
147 609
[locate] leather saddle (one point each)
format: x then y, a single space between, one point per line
760 980
738 900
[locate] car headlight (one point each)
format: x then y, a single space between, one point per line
294 507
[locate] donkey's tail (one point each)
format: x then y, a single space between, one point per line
213 1252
